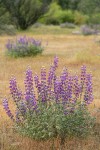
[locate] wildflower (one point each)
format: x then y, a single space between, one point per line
83 76
29 90
88 96
6 107
15 92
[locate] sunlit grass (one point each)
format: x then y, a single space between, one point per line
51 29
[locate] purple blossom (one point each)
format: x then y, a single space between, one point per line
55 62
83 76
69 88
6 107
51 76
23 46
9 45
36 80
64 76
57 90
43 74
65 89
15 92
29 90
76 88
88 96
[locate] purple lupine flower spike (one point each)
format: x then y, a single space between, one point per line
15 92
83 76
65 89
29 90
55 62
57 90
70 86
76 87
64 78
6 107
51 76
43 74
37 83
88 96
36 80
64 75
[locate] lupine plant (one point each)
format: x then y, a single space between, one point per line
87 30
24 46
52 106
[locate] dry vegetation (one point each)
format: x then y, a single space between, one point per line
73 51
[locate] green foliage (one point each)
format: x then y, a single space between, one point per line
31 51
24 47
67 25
25 12
68 4
95 19
67 16
7 29
51 122
5 22
4 16
80 18
56 15
89 6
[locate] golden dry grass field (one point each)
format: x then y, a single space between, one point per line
73 51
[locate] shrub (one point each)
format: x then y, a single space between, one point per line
56 15
24 46
37 25
7 29
95 19
67 25
87 30
60 108
80 18
51 17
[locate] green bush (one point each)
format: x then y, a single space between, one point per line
52 106
56 15
80 18
7 29
24 47
53 123
67 25
67 16
95 19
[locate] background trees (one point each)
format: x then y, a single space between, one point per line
89 6
25 12
69 4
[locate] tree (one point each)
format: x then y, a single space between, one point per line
64 3
25 12
89 6
69 4
4 15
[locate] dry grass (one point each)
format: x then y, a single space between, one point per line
73 51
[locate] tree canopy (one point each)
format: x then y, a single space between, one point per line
25 12
69 4
89 6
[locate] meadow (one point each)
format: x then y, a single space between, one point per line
73 51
